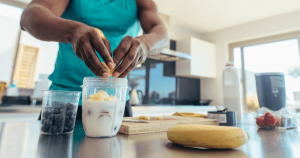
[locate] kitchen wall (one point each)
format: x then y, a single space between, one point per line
212 88
47 56
179 33
9 35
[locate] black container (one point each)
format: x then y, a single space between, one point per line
271 90
20 100
226 118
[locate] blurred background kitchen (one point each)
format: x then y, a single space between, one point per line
257 35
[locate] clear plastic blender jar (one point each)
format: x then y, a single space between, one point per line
103 104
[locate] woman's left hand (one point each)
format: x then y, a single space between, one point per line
131 51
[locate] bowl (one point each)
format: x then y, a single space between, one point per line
272 120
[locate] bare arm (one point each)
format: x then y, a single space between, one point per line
41 18
134 51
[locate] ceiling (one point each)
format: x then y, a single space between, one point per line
211 15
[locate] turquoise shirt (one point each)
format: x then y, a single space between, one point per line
115 18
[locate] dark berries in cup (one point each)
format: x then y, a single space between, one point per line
58 118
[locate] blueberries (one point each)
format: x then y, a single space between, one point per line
51 117
62 111
68 122
53 129
43 121
68 129
45 114
58 118
48 123
70 113
45 129
70 106
56 108
51 111
62 106
56 111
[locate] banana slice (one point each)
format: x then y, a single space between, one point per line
100 33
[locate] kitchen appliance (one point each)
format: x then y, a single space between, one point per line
226 118
135 99
19 100
170 55
271 90
161 125
103 103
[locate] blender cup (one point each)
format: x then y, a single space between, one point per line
59 111
103 104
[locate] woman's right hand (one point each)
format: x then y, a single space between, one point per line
85 41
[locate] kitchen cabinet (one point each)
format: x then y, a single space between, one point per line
203 59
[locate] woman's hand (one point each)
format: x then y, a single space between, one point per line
131 51
85 41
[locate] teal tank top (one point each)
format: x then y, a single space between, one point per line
115 18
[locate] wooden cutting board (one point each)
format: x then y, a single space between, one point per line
161 125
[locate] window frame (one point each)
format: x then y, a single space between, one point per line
257 41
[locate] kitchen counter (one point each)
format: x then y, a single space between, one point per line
31 113
23 139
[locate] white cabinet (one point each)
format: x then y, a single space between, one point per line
203 61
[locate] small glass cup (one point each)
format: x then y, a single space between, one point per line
59 110
103 104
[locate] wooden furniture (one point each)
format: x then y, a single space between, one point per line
161 125
2 87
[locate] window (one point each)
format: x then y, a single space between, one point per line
272 54
25 66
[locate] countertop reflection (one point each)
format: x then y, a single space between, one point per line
23 139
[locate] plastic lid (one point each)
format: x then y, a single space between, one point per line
269 73
92 81
229 63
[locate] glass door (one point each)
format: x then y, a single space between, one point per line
279 56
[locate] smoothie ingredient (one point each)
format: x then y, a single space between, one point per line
158 118
217 137
110 71
266 115
101 96
58 118
186 114
260 121
270 119
144 118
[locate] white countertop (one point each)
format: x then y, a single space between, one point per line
169 110
30 113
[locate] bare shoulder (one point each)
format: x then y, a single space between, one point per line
56 6
146 5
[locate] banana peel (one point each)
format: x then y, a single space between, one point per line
100 33
110 71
